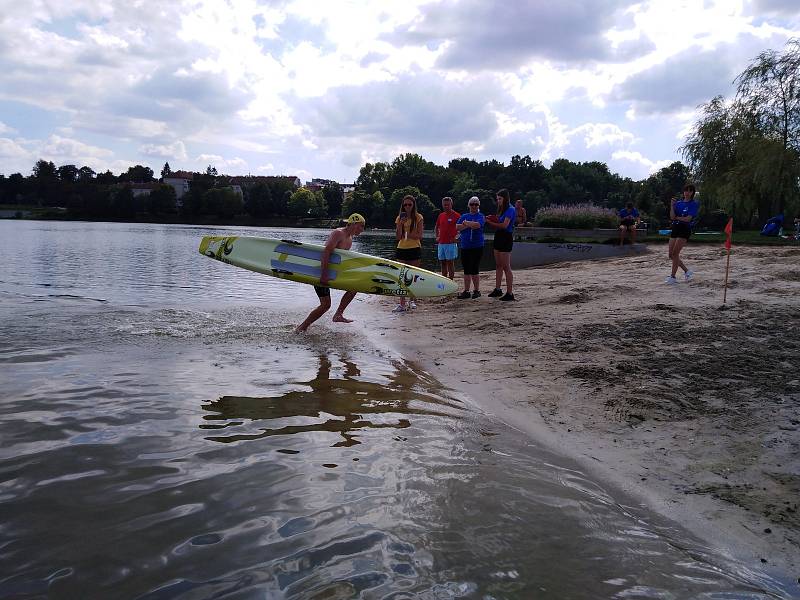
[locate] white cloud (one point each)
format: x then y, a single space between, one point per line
638 159
12 152
57 148
174 151
221 163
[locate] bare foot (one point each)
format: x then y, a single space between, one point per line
341 319
300 329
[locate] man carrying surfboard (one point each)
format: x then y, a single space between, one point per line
341 238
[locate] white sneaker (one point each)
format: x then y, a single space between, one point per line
412 304
688 275
670 280
399 308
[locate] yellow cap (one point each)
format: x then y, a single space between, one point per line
356 218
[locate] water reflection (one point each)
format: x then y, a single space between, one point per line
344 404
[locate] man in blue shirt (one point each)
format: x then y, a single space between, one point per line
628 220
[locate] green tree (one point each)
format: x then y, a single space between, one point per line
373 178
106 178
258 200
161 200
16 187
334 196
137 174
68 173
462 184
746 152
222 202
370 206
305 203
424 204
166 171
45 176
86 175
123 204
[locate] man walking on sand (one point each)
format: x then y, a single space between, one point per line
341 238
445 232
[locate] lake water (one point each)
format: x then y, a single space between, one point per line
164 434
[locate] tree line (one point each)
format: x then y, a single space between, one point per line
377 194
742 153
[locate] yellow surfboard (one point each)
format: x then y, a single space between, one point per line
347 270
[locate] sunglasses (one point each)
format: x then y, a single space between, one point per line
473 204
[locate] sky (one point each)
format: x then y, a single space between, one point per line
318 88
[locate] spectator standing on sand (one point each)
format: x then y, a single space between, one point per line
339 238
409 229
502 245
471 227
522 215
683 213
446 234
628 220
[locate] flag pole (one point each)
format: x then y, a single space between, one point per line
728 235
727 268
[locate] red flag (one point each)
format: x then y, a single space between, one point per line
728 232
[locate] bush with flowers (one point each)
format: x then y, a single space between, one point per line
576 216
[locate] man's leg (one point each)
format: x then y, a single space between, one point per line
338 316
324 305
447 268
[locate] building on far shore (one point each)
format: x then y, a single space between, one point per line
247 180
180 182
143 189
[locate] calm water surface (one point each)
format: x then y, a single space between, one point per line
164 434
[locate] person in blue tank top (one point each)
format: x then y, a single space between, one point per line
503 243
683 214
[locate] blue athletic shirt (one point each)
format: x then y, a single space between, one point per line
687 209
511 213
625 214
472 238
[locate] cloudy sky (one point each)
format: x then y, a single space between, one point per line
316 88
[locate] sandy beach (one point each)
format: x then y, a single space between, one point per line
691 408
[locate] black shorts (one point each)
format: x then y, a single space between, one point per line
322 292
408 253
681 230
471 260
629 223
503 241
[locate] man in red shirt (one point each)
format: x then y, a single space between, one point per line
446 234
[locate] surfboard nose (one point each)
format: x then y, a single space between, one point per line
204 244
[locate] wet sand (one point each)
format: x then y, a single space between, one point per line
693 409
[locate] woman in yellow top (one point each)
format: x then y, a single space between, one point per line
410 226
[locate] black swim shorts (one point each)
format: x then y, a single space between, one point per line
402 254
503 241
681 230
322 292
